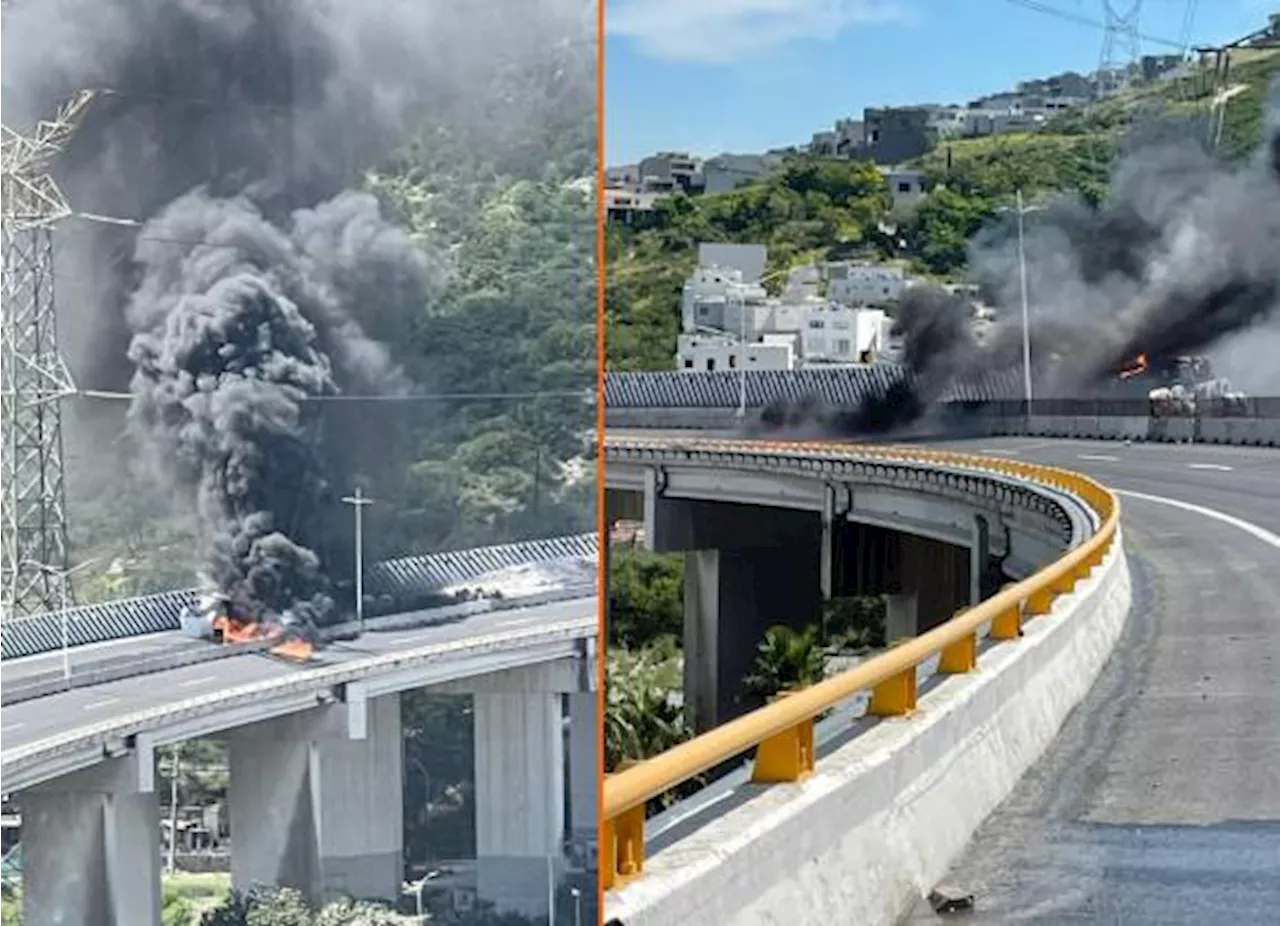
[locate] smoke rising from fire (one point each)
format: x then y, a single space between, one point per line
1183 257
259 282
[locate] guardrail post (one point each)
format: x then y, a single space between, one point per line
1040 602
1007 625
785 756
894 696
624 848
961 656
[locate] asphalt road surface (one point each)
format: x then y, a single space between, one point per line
1159 801
33 720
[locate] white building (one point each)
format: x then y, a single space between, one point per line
699 353
715 299
841 335
858 284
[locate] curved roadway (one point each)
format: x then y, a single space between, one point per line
1159 801
29 721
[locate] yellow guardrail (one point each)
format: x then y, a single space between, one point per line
782 732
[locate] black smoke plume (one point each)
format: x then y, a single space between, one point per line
1182 256
258 287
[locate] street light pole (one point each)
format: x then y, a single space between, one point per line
64 577
358 502
577 905
741 355
1026 315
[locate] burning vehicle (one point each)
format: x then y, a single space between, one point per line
1182 387
223 619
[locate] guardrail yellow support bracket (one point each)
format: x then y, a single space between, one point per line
1007 625
788 756
961 656
624 846
894 696
1040 602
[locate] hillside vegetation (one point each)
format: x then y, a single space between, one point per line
828 209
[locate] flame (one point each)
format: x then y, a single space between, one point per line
234 631
1137 366
295 650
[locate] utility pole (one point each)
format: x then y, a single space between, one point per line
175 765
358 502
33 374
1021 211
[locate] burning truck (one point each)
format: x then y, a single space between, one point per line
1179 388
224 619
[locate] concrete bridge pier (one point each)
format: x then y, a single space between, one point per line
584 748
924 581
520 781
747 568
316 801
91 847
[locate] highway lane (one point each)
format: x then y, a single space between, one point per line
91 653
1159 801
33 720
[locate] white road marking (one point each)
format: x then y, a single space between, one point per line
12 726
523 620
1252 529
1218 466
1097 456
97 704
998 450
196 681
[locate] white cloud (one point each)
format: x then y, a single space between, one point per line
720 31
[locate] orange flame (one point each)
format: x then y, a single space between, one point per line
234 631
295 650
1137 366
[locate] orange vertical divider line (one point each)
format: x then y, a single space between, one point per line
602 598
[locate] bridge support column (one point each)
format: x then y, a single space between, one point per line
900 618
584 746
91 847
979 554
316 801
519 799
731 597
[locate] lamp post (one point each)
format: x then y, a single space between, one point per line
358 502
1021 211
742 354
577 905
64 575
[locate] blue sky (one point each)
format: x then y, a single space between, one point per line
708 76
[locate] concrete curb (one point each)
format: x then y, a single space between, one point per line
114 669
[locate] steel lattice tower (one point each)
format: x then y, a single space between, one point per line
1120 46
33 375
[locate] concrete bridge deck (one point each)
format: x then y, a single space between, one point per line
1159 801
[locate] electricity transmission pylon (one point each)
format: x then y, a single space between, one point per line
33 374
1120 45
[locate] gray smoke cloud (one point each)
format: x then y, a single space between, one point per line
1182 258
259 284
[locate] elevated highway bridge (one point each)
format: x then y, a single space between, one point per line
315 791
1127 773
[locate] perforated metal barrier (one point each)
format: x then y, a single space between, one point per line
402 583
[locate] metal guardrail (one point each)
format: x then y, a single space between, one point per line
782 732
389 583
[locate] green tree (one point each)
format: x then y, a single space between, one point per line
646 597
787 660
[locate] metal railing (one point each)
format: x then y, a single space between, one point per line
782 732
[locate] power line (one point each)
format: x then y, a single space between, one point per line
107 395
1081 20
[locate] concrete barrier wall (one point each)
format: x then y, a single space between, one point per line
885 815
